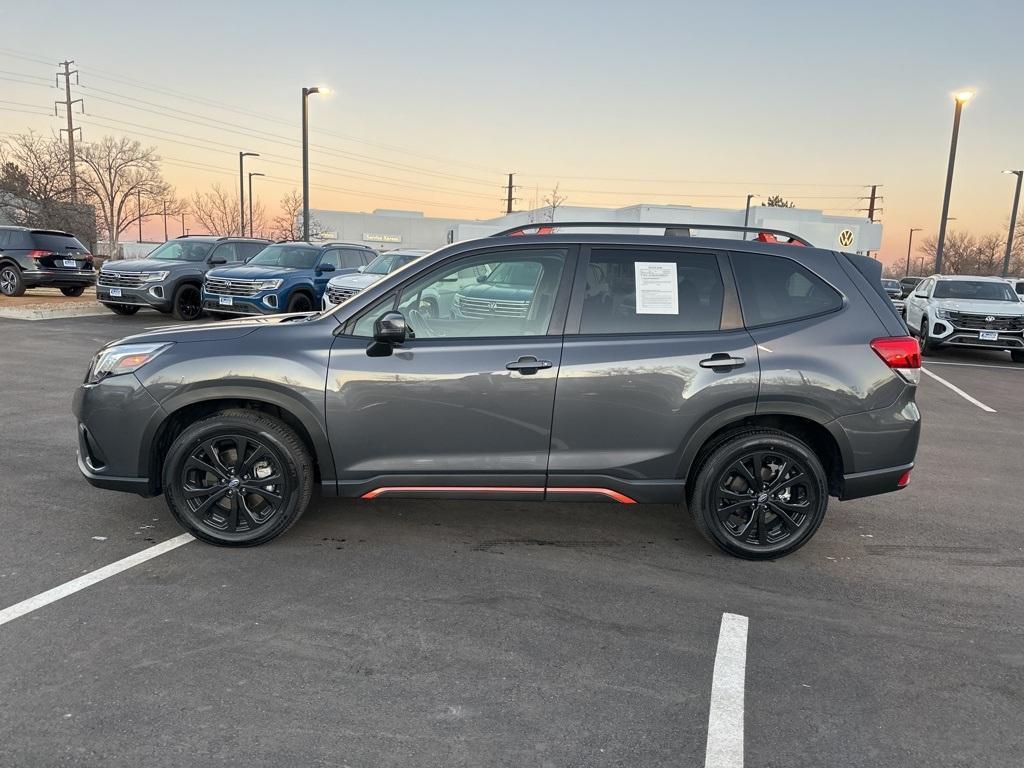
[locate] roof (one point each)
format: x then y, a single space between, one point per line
978 278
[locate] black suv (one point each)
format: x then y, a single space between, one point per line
170 279
35 258
749 381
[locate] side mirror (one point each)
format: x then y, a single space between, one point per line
218 260
361 268
920 295
389 331
481 278
326 268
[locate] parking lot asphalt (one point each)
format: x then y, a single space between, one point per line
442 633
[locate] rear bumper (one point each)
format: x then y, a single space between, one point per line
872 483
58 278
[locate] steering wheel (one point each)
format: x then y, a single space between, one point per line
419 320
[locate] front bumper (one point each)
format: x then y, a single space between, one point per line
58 278
945 332
154 295
116 418
267 303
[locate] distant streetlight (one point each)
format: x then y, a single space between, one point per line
961 98
241 189
305 154
909 243
1013 221
250 200
746 214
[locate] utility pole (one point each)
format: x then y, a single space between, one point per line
871 205
509 199
910 242
1013 221
183 222
165 221
68 102
138 199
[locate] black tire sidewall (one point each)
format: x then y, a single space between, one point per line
73 292
175 312
727 452
297 468
295 299
19 281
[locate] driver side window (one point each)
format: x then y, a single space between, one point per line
503 293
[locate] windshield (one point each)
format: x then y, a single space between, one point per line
181 251
286 256
892 285
386 263
973 290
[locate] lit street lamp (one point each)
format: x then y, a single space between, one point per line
241 188
250 200
1013 221
909 243
961 99
305 155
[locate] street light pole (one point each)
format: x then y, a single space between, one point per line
1013 221
305 155
960 98
250 200
241 189
746 214
909 243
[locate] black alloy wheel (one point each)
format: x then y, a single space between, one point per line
237 478
299 302
188 303
927 346
11 283
760 495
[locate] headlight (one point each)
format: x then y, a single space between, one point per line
154 277
270 285
122 358
942 313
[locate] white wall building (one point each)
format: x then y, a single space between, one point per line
385 229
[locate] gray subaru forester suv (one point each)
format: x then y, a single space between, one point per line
748 381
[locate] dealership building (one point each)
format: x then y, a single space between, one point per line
389 229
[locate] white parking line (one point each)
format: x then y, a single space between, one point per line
725 721
959 391
979 365
93 577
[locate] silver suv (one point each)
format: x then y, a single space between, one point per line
966 311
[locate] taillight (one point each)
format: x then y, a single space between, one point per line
902 354
904 480
37 254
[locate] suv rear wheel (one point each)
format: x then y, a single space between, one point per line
11 282
73 291
187 303
761 494
238 478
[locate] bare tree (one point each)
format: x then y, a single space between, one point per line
778 201
123 180
288 225
553 201
217 211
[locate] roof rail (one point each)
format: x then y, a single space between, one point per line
672 229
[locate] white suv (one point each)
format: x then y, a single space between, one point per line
963 311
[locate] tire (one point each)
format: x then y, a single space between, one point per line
123 309
927 345
1017 355
74 291
222 500
766 522
187 303
11 282
299 302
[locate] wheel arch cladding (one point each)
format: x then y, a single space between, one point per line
178 419
817 437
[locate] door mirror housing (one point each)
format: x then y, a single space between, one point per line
389 331
325 268
361 268
920 295
218 260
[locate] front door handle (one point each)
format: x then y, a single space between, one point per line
722 360
528 365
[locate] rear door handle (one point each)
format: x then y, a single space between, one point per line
722 360
528 365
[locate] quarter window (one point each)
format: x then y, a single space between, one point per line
775 290
651 291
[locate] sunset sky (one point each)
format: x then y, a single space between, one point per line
650 102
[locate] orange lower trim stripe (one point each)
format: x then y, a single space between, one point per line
607 492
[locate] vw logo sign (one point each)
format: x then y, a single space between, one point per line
492 306
846 238
989 319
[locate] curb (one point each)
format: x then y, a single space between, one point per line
45 313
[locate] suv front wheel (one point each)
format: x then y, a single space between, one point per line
927 345
238 478
760 495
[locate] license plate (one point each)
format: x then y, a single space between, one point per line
225 301
989 335
115 293
69 263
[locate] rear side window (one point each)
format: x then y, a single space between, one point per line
651 291
228 252
52 242
5 236
247 250
351 259
775 290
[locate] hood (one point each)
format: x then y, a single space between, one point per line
223 330
247 272
140 265
358 280
981 307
